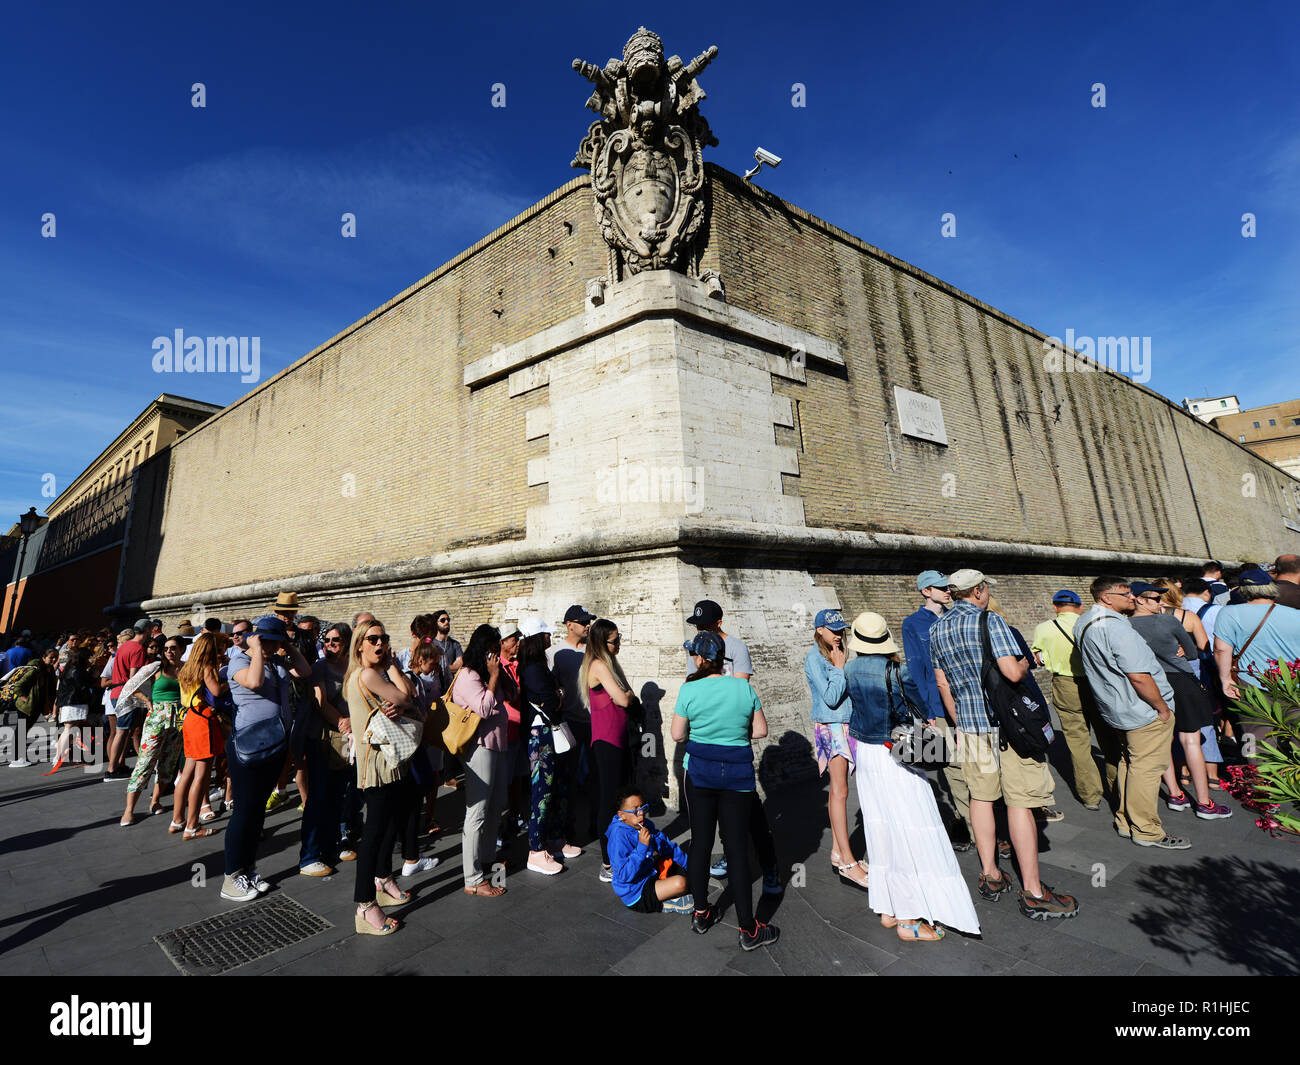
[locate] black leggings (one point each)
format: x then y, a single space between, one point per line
387 809
610 763
709 810
252 785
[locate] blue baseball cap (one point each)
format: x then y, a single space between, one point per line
831 619
931 578
708 645
1067 596
269 627
1143 587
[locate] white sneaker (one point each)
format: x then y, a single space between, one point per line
541 862
20 763
421 866
260 885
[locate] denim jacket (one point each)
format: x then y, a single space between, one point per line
830 704
873 716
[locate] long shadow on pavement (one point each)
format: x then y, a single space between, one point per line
1239 910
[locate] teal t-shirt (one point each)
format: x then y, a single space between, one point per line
719 710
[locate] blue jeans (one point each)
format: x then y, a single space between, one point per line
321 819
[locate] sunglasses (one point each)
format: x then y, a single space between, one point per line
332 639
377 639
639 810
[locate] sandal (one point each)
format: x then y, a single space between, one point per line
433 829
206 814
365 928
835 861
386 898
911 931
484 890
886 921
155 808
198 833
845 878
175 827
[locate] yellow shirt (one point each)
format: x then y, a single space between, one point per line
1056 648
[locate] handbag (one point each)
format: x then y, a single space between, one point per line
394 738
562 739
260 740
914 742
453 726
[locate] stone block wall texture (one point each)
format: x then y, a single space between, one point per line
1073 460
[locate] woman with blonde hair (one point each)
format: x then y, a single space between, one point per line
916 885
201 732
608 696
374 684
835 749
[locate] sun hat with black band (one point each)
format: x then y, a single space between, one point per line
869 635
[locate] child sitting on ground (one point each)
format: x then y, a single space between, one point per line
649 868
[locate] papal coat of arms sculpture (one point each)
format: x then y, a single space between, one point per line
645 156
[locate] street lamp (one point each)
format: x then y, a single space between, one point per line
27 524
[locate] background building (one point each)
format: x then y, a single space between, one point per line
1271 432
1211 407
69 573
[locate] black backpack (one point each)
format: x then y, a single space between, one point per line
1022 721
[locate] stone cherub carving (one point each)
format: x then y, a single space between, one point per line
645 156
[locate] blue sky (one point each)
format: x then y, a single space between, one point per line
225 220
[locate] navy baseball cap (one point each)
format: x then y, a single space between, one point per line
1067 596
707 612
708 645
1254 576
831 619
269 627
1143 587
577 614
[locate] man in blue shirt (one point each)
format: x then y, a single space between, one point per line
19 654
936 598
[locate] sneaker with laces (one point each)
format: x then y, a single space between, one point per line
763 935
1050 814
259 885
421 866
347 855
682 904
315 869
1167 843
1048 905
1212 810
718 870
275 800
703 920
992 889
1178 802
541 862
238 889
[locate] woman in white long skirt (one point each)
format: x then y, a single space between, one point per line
916 885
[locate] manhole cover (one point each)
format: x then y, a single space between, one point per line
229 940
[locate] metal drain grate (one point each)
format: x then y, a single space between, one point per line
218 944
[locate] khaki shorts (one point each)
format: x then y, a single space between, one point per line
993 774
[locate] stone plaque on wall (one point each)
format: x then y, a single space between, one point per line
920 416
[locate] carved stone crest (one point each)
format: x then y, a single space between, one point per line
645 156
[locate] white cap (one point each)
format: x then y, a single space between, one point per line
533 626
965 579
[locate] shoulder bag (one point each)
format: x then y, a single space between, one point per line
395 739
453 726
913 742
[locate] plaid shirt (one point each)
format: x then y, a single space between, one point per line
957 648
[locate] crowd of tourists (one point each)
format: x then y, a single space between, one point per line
538 726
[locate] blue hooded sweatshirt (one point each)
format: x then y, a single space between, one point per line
633 864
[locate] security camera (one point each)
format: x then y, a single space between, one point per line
763 156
